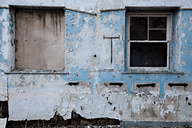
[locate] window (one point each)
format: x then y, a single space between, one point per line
148 41
40 39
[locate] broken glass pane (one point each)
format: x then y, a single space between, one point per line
157 22
148 55
138 28
157 35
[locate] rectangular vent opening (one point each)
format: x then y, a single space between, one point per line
146 85
116 83
178 84
73 83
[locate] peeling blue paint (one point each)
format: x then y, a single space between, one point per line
186 40
117 25
1 31
2 59
92 24
11 86
1 11
107 24
104 14
78 74
11 24
119 46
119 68
70 19
76 21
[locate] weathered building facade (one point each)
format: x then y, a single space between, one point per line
128 60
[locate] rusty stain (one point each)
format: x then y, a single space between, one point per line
81 107
82 11
104 10
120 112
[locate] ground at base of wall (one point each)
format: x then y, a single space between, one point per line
81 126
53 125
58 122
78 123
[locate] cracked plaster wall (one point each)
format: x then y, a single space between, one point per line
40 96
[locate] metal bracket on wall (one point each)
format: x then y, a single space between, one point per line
82 11
117 37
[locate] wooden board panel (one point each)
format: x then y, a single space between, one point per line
40 40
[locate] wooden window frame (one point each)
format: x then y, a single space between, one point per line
168 40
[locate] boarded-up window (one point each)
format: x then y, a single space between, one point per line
40 39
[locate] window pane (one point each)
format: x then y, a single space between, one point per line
157 22
148 55
157 35
138 28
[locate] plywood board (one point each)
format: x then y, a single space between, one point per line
40 40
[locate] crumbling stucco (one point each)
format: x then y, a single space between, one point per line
91 85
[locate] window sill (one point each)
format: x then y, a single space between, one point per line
154 72
37 72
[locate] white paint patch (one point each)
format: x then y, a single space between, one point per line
170 108
137 104
76 21
190 20
185 24
3 87
112 17
3 122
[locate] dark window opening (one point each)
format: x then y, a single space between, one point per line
148 55
157 22
138 28
157 35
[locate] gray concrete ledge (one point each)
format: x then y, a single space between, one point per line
154 72
154 124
